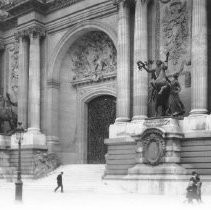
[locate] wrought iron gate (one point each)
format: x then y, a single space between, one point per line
101 113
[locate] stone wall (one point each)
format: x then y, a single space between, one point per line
120 157
196 155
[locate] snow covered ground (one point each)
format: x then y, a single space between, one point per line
84 190
91 200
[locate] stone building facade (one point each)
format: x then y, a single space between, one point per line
61 60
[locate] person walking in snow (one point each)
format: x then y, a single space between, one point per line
59 182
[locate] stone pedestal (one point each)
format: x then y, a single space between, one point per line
151 145
4 141
197 126
155 184
158 148
31 139
165 169
4 152
135 128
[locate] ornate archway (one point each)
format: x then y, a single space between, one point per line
70 37
81 94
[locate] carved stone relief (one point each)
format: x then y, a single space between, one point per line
44 163
175 35
8 101
93 57
175 29
13 72
5 2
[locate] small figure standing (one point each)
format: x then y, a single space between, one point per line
199 184
194 188
59 182
176 106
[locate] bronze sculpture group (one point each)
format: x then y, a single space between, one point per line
164 91
7 113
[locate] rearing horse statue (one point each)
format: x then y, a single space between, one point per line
160 87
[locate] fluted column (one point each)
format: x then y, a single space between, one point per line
23 81
199 58
123 63
140 85
34 82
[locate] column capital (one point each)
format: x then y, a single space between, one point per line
34 31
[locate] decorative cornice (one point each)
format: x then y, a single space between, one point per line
17 8
58 4
96 79
12 4
36 30
45 6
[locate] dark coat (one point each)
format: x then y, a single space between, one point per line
59 179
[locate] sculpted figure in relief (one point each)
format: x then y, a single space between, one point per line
93 56
175 27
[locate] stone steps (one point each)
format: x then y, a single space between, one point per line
76 178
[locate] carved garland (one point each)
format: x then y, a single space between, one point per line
14 71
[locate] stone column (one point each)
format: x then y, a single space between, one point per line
199 58
23 81
123 63
140 78
33 137
34 82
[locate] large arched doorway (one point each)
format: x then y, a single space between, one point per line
101 113
82 67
